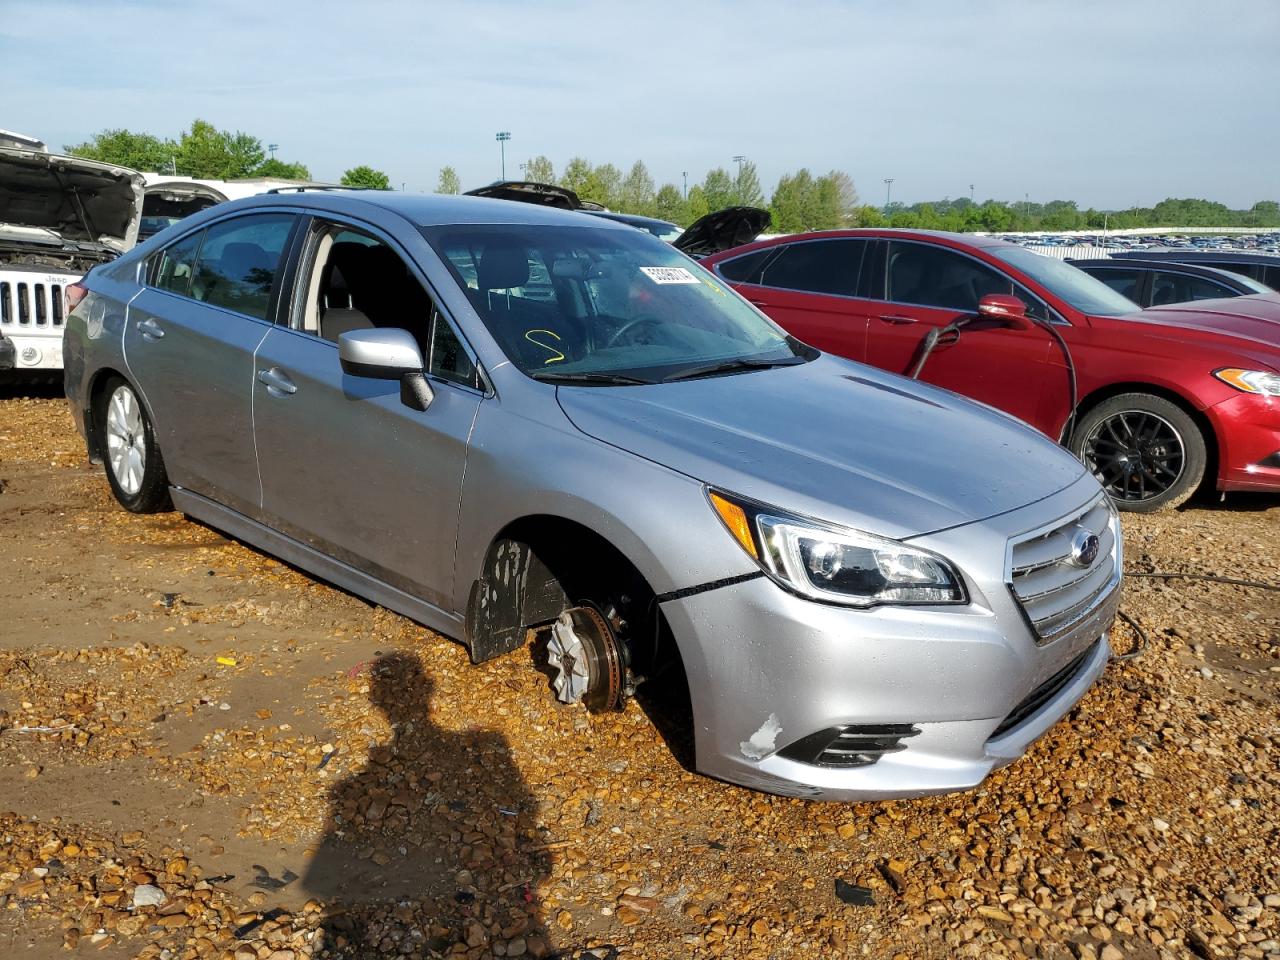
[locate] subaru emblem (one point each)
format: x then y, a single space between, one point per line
1084 547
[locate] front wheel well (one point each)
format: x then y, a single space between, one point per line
539 566
1116 389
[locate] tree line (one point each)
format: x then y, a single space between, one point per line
799 201
206 153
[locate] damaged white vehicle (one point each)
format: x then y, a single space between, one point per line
59 217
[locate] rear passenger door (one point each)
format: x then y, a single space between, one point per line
189 341
810 288
347 467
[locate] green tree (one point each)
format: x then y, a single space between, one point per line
746 186
604 185
696 207
448 182
719 189
867 216
577 175
209 153
540 170
794 202
272 167
636 194
669 205
366 178
846 196
125 148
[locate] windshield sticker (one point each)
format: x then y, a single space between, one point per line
669 275
556 355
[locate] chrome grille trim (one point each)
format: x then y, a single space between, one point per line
1054 594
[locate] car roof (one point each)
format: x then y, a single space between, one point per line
632 218
1192 256
426 210
957 239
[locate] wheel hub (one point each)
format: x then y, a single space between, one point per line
586 657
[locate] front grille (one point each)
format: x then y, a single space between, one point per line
850 745
31 304
1045 692
1054 590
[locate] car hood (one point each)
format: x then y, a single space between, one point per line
46 198
1254 319
835 440
723 230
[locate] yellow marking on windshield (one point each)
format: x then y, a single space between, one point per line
528 335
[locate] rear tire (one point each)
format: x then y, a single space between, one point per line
1146 451
131 456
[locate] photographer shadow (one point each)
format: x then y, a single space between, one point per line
431 844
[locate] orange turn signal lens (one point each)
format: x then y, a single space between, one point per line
735 518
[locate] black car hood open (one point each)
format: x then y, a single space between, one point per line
45 197
526 191
723 230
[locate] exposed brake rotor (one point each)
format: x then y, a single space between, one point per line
588 659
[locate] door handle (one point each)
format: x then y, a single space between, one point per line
277 382
150 330
896 318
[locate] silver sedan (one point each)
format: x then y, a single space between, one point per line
492 417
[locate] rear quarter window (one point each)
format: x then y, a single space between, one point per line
746 268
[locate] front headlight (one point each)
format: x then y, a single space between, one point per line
835 564
1263 382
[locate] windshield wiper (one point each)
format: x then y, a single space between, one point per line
616 379
730 366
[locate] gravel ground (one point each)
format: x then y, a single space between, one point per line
209 754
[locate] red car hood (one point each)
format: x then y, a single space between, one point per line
1251 322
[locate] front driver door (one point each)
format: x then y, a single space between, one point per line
347 468
927 287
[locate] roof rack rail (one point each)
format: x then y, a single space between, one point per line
302 188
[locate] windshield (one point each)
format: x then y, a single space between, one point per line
602 304
1087 294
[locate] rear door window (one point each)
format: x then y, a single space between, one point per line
817 266
1183 288
238 262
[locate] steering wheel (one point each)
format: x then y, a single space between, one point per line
639 320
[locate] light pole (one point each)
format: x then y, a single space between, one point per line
685 174
273 147
888 191
971 193
502 137
739 160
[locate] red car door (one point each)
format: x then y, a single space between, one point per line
809 289
929 286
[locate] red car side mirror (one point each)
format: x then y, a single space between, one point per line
1005 308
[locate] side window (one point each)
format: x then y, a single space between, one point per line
1036 307
1270 276
1182 288
817 266
933 277
238 261
1123 282
357 282
174 270
746 269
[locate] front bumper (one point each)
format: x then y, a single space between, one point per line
29 352
1248 429
767 668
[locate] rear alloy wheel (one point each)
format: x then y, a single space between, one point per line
135 469
1147 452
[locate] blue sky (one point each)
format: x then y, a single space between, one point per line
1109 103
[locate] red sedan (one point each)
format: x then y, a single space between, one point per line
1150 400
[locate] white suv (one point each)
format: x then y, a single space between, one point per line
59 217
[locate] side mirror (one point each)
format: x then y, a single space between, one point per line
1007 309
387 354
